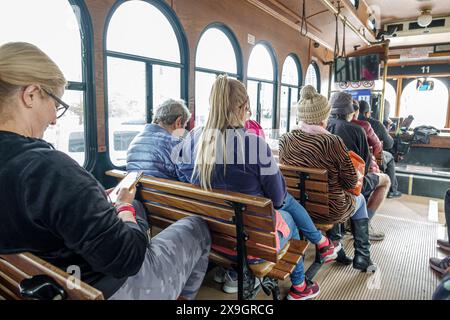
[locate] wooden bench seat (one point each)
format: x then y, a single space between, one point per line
309 186
240 222
15 268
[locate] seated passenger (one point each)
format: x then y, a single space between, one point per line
253 126
311 145
388 159
376 185
442 265
223 155
372 138
150 150
442 292
57 210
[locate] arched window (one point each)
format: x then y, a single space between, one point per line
427 107
290 85
145 66
390 95
313 76
261 86
218 52
62 30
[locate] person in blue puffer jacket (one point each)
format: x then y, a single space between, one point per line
150 151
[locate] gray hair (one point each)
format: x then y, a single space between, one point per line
169 111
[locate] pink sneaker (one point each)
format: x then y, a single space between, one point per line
311 291
329 252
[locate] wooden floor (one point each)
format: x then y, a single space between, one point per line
412 225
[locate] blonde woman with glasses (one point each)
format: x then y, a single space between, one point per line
55 209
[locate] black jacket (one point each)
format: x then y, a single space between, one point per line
353 136
382 133
52 207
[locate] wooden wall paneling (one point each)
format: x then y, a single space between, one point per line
99 9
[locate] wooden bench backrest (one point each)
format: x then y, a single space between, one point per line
16 267
169 201
316 187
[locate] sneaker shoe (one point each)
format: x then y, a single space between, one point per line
329 252
444 245
440 265
311 291
231 282
375 235
394 194
219 276
342 256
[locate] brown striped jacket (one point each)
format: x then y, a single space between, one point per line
324 151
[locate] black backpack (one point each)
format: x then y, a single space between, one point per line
422 134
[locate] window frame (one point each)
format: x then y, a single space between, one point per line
87 84
237 52
183 65
316 68
290 86
409 80
273 56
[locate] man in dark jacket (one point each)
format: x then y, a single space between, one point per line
376 185
388 159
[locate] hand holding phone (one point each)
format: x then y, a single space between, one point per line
123 192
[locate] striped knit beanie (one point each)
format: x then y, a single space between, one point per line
313 108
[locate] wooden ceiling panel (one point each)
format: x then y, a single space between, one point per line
321 22
395 10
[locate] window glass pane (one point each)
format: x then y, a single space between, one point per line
252 90
284 102
216 52
427 107
203 84
126 105
290 72
51 25
260 64
68 133
166 84
311 76
284 109
139 28
266 97
390 95
293 115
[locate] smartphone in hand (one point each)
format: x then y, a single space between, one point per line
130 181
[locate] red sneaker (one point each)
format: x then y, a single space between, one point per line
329 252
311 291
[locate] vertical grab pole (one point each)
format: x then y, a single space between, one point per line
241 236
302 186
385 73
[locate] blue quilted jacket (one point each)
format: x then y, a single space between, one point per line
150 152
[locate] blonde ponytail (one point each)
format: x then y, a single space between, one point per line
226 98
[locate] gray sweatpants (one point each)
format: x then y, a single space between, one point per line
175 264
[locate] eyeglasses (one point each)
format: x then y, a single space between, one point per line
61 108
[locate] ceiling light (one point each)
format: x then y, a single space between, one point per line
425 18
